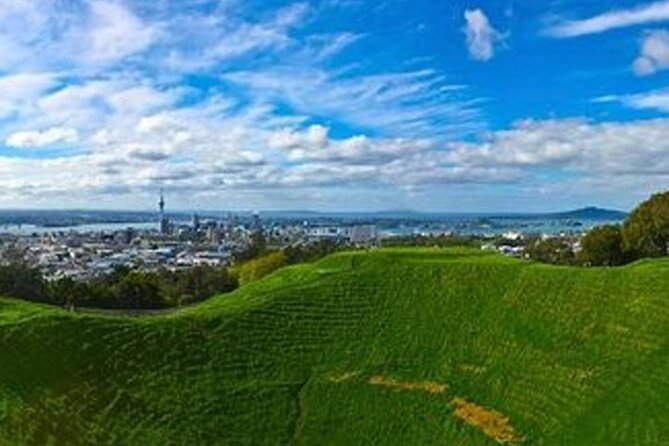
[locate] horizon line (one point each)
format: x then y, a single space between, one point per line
313 211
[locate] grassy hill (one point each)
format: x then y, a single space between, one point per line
392 347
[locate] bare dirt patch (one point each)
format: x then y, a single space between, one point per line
492 423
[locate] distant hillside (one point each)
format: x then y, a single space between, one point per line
592 213
587 213
386 347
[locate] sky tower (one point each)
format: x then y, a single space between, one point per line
164 222
161 203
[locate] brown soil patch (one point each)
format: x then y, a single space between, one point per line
492 423
426 386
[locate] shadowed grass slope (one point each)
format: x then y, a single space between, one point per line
390 347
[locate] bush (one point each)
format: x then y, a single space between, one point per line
313 251
258 268
552 250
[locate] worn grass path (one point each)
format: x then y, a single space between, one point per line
389 347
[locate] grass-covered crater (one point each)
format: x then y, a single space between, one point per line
396 347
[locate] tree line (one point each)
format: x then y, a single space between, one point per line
130 289
123 288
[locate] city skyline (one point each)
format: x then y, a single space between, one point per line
333 105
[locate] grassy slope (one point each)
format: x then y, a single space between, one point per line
570 356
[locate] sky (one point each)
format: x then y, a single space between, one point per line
340 105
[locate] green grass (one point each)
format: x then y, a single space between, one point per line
571 357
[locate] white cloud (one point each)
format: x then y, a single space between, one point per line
575 145
55 135
115 33
92 105
481 36
619 18
396 162
322 47
225 38
654 53
22 24
403 103
652 100
92 34
26 85
19 91
157 124
316 138
141 98
313 145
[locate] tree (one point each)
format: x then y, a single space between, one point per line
603 246
67 292
201 282
646 231
21 281
138 290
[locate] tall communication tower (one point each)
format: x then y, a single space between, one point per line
164 222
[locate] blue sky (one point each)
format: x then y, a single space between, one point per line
333 104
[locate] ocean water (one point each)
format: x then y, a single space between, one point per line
27 229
